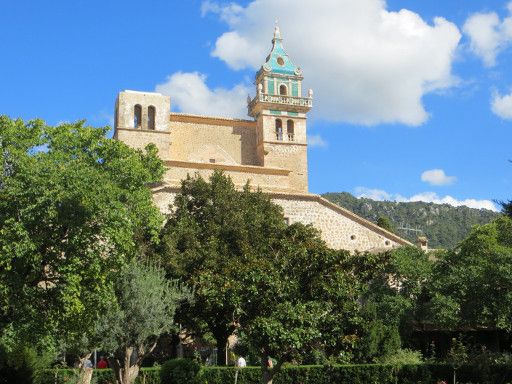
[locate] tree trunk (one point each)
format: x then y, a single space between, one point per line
126 369
221 350
84 373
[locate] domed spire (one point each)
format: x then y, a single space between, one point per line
278 61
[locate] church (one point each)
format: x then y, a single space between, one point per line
269 150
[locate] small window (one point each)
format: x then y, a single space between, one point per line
151 117
283 90
353 237
279 129
137 116
280 61
387 242
290 130
212 161
287 221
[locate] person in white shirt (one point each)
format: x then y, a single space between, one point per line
241 362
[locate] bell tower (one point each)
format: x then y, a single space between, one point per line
280 112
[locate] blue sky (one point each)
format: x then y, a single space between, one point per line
413 99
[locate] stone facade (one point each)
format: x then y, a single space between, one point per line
269 151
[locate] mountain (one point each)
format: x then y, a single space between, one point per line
444 225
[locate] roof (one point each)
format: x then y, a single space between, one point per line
278 60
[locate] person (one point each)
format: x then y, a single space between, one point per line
102 364
87 363
270 363
241 363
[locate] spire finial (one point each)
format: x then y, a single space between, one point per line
277 32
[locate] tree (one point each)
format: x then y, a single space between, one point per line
208 242
471 284
393 286
506 208
144 308
457 356
74 206
297 298
385 223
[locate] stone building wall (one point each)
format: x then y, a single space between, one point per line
268 179
340 228
213 140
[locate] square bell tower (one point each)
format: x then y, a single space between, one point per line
280 112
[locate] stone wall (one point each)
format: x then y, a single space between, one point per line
267 179
340 228
213 140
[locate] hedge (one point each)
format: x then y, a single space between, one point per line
314 374
101 376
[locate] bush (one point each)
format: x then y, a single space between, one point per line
179 371
183 371
221 375
100 376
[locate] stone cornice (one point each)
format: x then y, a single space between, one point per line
228 167
142 130
210 120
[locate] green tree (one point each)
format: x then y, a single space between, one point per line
471 284
393 286
385 223
457 356
209 241
506 208
144 308
74 206
297 298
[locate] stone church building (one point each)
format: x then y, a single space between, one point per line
269 150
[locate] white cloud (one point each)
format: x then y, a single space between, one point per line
427 197
488 34
316 141
190 93
366 64
501 105
437 177
374 194
229 13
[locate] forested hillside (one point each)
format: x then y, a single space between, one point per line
445 226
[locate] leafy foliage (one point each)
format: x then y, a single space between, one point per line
179 371
347 374
210 241
471 285
385 223
298 298
444 226
74 206
143 310
393 284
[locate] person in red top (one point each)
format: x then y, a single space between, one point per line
102 364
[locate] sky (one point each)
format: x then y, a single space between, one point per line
412 98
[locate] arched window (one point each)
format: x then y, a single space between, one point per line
279 129
137 116
290 130
151 117
283 90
